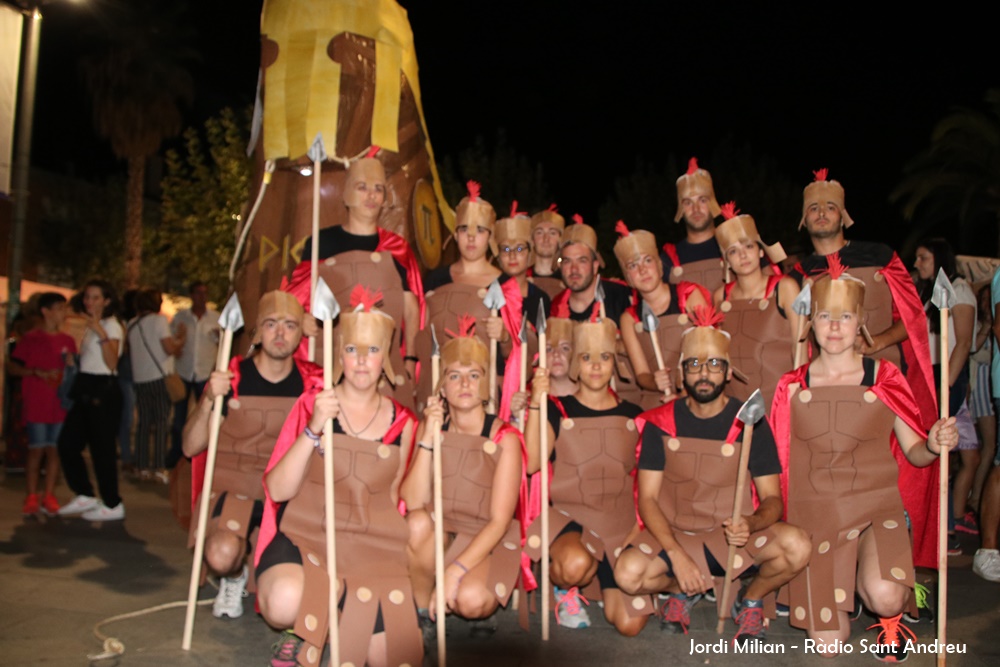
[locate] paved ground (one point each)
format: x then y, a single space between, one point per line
58 578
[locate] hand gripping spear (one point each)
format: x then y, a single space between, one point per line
751 413
439 601
317 153
802 306
494 300
650 322
943 296
230 320
326 308
543 470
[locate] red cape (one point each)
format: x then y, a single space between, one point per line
297 420
310 373
917 486
511 314
299 284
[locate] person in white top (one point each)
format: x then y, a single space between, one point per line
151 348
93 419
932 255
196 360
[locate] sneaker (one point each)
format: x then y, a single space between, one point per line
50 505
31 506
102 512
483 628
78 505
749 617
229 601
569 613
891 640
781 610
675 614
967 524
925 612
986 564
954 546
162 476
710 595
285 650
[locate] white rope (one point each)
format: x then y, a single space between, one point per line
265 180
114 647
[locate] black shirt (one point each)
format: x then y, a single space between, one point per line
617 299
763 452
576 410
336 240
855 253
688 252
252 384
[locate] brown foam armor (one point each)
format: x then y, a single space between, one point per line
759 345
708 273
371 554
842 481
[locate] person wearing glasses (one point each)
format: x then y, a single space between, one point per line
689 455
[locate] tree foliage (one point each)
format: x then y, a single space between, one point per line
205 188
956 178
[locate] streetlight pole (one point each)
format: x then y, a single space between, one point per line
22 162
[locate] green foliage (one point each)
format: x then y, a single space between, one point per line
504 174
204 191
956 178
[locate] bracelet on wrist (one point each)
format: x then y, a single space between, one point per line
424 445
312 435
410 357
457 562
533 407
104 341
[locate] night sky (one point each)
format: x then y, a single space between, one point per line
586 88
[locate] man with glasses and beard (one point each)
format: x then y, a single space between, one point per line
688 464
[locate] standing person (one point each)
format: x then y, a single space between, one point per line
40 358
124 372
757 306
986 562
459 287
151 349
94 418
894 313
481 491
696 258
196 359
592 514
686 487
932 255
670 303
546 235
359 252
372 442
850 439
981 401
260 392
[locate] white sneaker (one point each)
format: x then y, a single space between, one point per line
78 505
569 612
986 563
229 601
102 512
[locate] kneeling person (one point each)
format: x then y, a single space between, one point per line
688 464
260 391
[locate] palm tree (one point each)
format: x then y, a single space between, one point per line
957 177
137 81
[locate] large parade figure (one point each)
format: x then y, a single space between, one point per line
260 391
669 304
481 488
592 513
546 235
894 314
850 438
459 288
372 442
696 258
360 252
759 317
689 462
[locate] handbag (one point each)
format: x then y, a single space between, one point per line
176 388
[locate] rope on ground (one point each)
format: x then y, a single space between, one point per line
114 647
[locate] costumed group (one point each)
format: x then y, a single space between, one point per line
639 397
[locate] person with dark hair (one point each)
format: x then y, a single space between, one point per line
196 359
127 314
934 255
94 417
151 348
40 358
